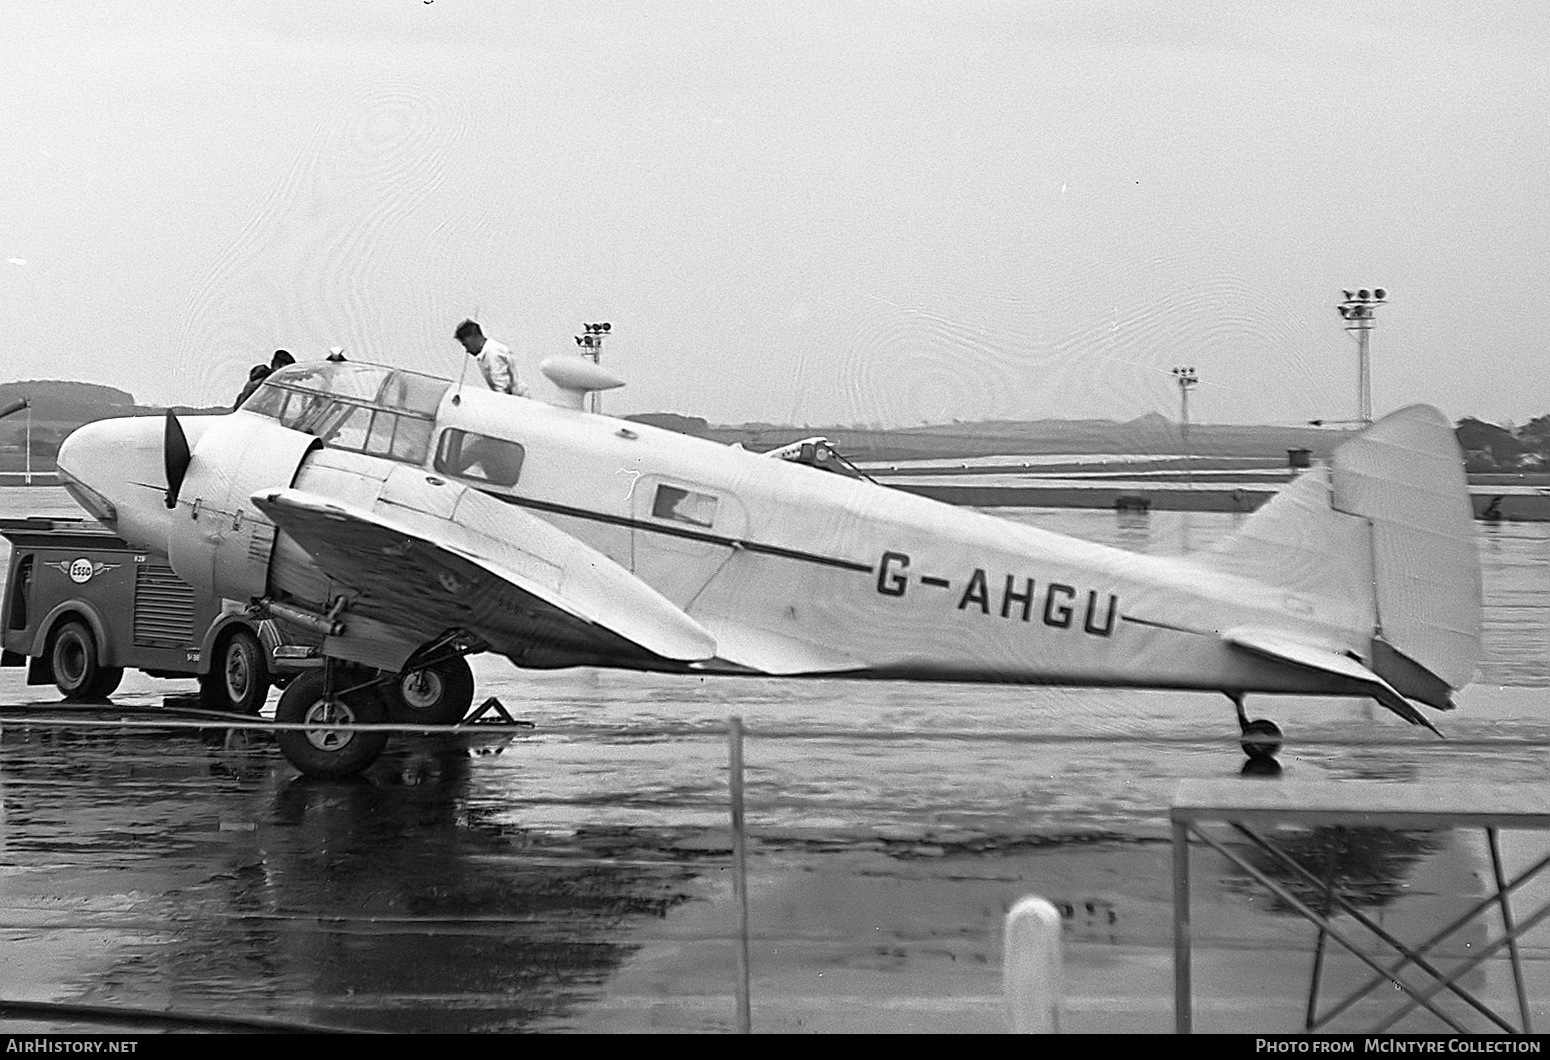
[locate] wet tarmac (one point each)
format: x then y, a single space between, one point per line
577 875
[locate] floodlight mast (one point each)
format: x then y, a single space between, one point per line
1357 312
1187 381
591 343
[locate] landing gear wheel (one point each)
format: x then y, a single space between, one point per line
438 694
238 681
76 665
1261 737
330 754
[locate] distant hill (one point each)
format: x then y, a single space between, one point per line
59 398
672 421
58 407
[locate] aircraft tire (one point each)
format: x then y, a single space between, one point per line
1261 739
238 681
76 664
330 755
439 694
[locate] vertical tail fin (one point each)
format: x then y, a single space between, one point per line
1405 475
1385 539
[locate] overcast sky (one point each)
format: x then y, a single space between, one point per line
798 210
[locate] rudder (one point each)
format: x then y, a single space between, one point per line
1405 475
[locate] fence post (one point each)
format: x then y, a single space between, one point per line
739 872
1031 967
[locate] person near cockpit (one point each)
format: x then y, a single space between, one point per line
496 362
259 372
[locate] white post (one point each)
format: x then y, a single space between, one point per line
1031 968
739 872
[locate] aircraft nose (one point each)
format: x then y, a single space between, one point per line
113 469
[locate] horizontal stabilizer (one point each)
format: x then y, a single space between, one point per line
1280 647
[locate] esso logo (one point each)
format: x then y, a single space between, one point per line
81 571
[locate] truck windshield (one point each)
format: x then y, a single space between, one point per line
366 408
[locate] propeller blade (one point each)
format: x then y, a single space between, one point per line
176 457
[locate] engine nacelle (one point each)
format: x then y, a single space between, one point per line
217 541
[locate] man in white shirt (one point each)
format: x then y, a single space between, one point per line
497 363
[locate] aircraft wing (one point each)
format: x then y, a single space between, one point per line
773 652
459 559
1284 649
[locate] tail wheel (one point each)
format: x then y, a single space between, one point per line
439 694
76 664
329 754
238 681
1261 739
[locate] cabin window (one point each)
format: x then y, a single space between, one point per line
684 506
470 455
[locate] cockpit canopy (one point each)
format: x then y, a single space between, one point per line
366 408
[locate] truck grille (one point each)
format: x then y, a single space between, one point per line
164 608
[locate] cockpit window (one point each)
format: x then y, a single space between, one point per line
345 427
366 408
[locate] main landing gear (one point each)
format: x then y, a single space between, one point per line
436 687
336 694
1261 738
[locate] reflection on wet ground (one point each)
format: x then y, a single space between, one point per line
213 880
462 886
577 875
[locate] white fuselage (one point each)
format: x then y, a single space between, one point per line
793 571
873 579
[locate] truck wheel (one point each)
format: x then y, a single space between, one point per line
238 681
439 694
108 678
76 665
323 754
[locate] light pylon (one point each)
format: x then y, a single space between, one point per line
591 343
1357 312
1187 381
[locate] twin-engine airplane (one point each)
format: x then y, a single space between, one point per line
411 521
